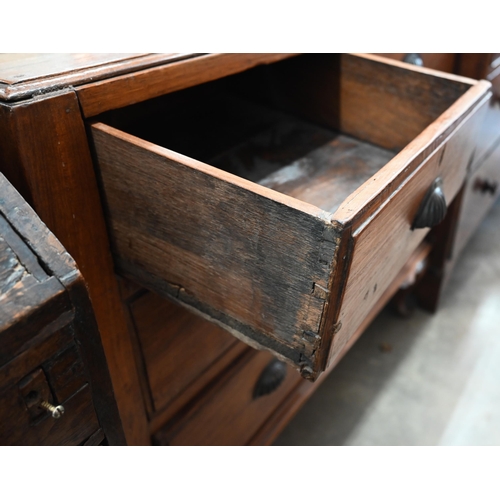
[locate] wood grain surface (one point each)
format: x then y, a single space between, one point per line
48 160
261 267
229 414
24 75
95 98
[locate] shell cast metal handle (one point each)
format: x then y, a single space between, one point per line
433 208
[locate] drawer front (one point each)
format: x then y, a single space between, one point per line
237 407
384 241
481 191
51 371
177 346
268 265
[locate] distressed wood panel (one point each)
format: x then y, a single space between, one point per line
260 266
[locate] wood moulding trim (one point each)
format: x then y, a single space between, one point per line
25 89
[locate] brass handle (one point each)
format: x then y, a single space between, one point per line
433 208
485 186
55 411
415 59
270 379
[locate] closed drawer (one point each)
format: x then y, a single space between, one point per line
51 371
237 407
177 346
279 202
481 191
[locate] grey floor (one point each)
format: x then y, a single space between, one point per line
440 382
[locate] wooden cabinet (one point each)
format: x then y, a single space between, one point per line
273 198
54 384
266 199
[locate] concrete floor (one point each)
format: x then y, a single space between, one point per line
440 383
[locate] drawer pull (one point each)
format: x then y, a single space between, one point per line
415 59
270 379
55 411
433 208
485 186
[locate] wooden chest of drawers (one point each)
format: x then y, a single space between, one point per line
54 384
278 196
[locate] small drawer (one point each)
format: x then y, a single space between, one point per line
481 191
237 407
279 202
52 371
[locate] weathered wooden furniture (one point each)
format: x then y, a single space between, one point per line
54 384
283 198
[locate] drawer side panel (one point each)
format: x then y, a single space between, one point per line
179 227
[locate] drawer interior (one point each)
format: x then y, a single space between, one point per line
314 127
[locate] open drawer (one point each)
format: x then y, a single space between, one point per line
281 202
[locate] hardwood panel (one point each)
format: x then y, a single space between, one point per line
252 267
122 91
47 158
24 75
386 241
177 346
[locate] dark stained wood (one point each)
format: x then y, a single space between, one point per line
229 414
168 336
95 98
96 439
64 194
78 422
25 75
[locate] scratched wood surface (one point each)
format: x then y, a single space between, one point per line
46 157
49 294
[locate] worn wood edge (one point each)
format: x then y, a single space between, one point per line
421 252
380 187
26 222
37 86
418 69
176 76
207 169
338 282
